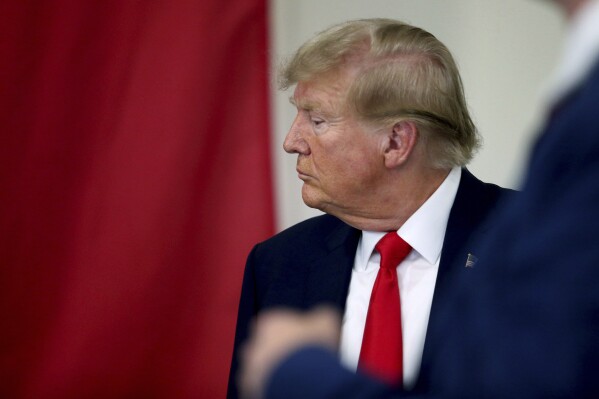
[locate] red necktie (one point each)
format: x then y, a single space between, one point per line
382 354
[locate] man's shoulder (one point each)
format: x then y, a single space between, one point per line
482 192
308 233
475 202
285 265
322 223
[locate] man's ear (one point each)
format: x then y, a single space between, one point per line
400 143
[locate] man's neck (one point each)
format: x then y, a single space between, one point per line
390 210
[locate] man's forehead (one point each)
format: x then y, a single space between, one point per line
318 94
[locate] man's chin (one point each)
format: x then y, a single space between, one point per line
311 203
311 198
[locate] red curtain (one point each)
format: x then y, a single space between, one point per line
134 179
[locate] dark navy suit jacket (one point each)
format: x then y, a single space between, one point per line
525 322
310 263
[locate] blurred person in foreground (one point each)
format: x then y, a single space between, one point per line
531 326
382 135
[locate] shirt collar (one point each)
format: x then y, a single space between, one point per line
425 229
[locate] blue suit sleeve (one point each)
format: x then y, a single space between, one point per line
313 372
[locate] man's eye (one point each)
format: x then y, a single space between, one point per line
317 122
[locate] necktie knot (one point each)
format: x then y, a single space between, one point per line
393 250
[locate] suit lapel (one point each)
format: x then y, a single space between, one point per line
329 276
469 209
459 227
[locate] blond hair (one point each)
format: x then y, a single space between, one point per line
404 73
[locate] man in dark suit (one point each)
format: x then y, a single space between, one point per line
382 135
531 326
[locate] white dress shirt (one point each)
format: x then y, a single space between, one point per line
417 274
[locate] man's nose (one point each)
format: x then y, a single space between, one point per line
294 141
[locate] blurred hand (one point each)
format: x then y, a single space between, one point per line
277 333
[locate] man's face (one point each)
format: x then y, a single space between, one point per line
339 159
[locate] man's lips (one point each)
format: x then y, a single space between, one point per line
302 175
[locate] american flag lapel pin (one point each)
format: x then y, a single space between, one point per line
471 261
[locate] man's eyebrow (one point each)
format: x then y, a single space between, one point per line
306 105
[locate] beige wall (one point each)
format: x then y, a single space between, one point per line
505 50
